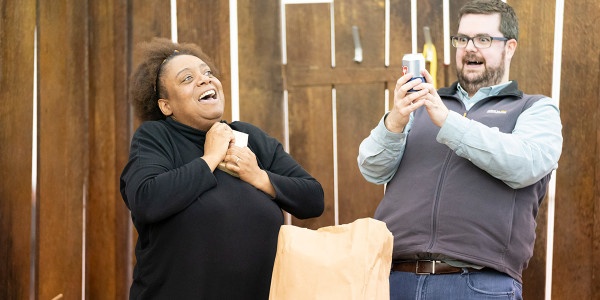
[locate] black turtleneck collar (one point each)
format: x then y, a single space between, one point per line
194 135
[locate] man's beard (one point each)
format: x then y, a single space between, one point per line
491 76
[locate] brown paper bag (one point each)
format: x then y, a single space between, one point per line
346 262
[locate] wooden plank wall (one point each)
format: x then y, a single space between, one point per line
308 29
83 238
576 250
17 25
107 220
536 44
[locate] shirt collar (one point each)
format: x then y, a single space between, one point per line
484 92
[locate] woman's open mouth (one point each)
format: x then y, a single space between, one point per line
208 96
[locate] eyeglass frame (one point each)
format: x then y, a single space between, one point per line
472 39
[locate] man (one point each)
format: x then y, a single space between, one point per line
466 168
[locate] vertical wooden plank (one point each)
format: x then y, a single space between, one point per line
16 126
365 102
531 65
310 109
455 6
261 83
107 232
400 40
596 199
430 13
575 271
148 19
206 24
63 146
532 68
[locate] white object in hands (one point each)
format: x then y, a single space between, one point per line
241 140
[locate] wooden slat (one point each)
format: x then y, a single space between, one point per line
400 40
430 13
261 83
340 75
206 24
575 273
596 199
63 146
455 6
310 109
359 109
532 68
149 18
16 126
107 232
531 65
356 101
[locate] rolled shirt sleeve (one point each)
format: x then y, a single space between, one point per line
380 153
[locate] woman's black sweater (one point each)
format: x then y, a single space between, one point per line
203 234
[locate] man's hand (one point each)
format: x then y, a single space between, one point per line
404 103
438 112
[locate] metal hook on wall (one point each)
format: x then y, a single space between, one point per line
358 57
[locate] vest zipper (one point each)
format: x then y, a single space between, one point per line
437 201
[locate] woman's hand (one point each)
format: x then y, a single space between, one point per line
218 139
243 162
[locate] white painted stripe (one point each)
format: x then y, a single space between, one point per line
34 162
387 33
556 78
387 101
335 159
233 51
174 21
283 34
413 26
83 235
306 1
332 35
446 17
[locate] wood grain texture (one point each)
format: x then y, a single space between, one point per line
400 40
148 19
108 236
358 106
575 271
310 109
261 83
531 66
17 25
206 24
430 14
63 146
454 11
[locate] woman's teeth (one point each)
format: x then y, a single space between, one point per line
207 94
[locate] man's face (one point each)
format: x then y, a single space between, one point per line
481 67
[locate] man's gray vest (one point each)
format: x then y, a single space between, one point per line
441 203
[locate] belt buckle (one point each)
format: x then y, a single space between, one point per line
425 261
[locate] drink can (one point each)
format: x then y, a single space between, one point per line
413 64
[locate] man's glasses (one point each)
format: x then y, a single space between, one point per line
461 41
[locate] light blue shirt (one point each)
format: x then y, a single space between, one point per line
519 159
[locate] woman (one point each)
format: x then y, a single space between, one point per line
203 234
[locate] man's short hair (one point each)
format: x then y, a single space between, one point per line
509 23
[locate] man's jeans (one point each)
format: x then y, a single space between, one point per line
466 285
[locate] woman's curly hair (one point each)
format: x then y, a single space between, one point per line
143 93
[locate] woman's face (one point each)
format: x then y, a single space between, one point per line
195 96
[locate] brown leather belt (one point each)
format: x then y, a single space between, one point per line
428 267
